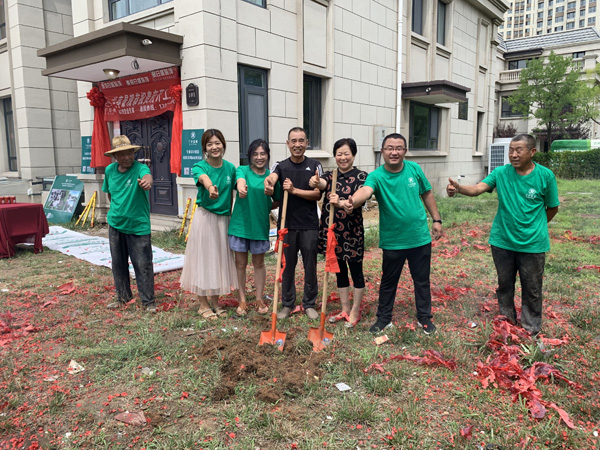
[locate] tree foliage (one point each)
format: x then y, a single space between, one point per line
556 94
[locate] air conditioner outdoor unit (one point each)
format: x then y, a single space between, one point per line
498 154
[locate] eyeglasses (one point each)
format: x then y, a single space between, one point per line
391 149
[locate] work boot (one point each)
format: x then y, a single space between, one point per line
284 313
311 313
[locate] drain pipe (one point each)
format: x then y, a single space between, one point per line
399 68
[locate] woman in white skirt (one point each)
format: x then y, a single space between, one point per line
209 269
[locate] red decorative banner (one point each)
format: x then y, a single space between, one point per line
140 96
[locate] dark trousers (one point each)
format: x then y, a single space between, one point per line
356 271
419 263
530 267
306 242
139 250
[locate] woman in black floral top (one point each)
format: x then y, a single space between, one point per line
348 229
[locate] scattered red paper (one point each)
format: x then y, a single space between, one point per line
429 358
467 432
588 267
504 370
66 288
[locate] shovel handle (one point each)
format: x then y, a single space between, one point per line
279 255
331 215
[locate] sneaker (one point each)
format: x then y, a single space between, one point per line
151 308
311 313
379 326
116 305
428 326
284 313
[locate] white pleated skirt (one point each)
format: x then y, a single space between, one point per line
209 267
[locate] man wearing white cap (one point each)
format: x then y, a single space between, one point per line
127 183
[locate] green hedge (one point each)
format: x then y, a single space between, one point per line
572 165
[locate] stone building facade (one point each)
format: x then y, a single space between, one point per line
264 66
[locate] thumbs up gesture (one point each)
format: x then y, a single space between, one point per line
315 180
452 187
213 192
242 188
349 205
269 189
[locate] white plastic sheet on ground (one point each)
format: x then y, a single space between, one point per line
96 250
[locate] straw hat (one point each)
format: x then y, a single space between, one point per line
121 143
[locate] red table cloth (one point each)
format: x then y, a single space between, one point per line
21 223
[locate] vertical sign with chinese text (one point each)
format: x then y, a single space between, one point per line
191 150
86 155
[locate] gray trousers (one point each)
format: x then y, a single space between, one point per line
139 250
530 267
304 241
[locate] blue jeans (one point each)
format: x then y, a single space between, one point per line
530 267
139 250
419 263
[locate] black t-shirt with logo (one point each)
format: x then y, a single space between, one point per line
301 213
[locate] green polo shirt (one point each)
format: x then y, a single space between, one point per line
129 203
250 217
402 215
223 178
521 224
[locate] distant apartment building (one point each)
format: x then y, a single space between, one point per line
583 46
540 17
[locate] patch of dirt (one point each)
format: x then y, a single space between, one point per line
276 373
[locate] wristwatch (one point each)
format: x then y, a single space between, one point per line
438 221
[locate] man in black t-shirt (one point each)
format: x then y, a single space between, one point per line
301 220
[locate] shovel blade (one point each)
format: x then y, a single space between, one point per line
276 338
320 338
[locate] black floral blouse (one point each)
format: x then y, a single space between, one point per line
349 230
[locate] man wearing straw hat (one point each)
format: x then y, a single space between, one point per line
127 183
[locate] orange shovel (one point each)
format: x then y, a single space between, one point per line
319 336
273 336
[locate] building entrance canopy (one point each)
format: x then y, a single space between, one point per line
123 47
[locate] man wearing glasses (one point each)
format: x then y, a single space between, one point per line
527 201
301 221
401 189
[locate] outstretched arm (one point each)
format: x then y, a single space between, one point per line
470 191
145 182
358 199
270 183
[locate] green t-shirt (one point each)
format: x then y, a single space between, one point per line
402 216
223 178
129 204
250 216
520 224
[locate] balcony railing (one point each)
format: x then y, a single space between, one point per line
510 76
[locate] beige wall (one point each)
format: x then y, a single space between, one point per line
45 110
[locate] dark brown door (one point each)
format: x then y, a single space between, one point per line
154 135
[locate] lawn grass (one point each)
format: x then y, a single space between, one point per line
206 384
